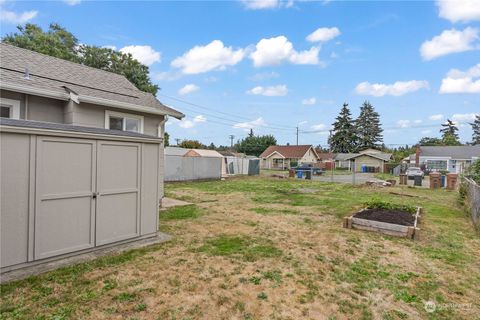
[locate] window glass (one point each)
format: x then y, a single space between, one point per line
5 112
116 123
437 164
132 125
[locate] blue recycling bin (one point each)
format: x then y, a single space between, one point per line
443 180
299 174
364 168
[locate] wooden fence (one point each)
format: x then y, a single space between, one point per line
472 200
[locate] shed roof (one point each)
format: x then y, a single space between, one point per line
289 152
55 75
207 153
71 128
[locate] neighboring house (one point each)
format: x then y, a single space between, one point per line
372 158
283 157
454 159
81 159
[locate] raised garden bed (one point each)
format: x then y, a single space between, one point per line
390 220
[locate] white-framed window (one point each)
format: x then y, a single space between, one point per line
9 108
123 121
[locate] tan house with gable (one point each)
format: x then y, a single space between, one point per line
370 158
284 157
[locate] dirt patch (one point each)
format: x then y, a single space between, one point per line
390 216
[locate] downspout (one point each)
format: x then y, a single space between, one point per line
161 128
26 107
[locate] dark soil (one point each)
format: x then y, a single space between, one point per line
390 216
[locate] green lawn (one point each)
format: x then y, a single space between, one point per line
265 248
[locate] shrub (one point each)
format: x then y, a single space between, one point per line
474 171
379 204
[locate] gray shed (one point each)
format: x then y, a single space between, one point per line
70 189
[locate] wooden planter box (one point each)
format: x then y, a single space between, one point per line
391 229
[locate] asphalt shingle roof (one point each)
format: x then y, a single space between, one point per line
55 74
290 152
456 152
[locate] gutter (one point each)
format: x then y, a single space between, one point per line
87 99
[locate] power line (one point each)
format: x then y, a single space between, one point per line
231 115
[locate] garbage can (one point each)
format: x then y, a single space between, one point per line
299 174
443 181
364 168
452 181
435 181
291 173
417 181
308 175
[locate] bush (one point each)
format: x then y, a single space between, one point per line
474 171
379 204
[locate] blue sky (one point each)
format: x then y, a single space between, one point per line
271 65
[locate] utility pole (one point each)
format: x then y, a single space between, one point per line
177 140
231 140
297 135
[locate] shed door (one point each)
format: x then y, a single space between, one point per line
118 198
65 209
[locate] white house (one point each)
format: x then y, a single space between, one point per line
453 159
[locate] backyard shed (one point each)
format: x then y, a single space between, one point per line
69 189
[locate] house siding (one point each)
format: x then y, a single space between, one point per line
68 112
309 157
368 161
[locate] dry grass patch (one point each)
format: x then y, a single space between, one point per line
260 248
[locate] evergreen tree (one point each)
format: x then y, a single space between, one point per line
166 139
449 133
343 139
476 130
368 128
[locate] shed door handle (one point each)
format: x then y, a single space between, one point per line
94 195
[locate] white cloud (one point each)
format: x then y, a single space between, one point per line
188 88
449 41
463 117
166 75
407 123
187 123
144 54
199 119
404 123
267 4
264 76
459 10
309 101
246 126
213 56
319 127
323 34
274 51
397 89
72 2
436 117
271 91
17 18
462 81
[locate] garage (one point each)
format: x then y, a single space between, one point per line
68 189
